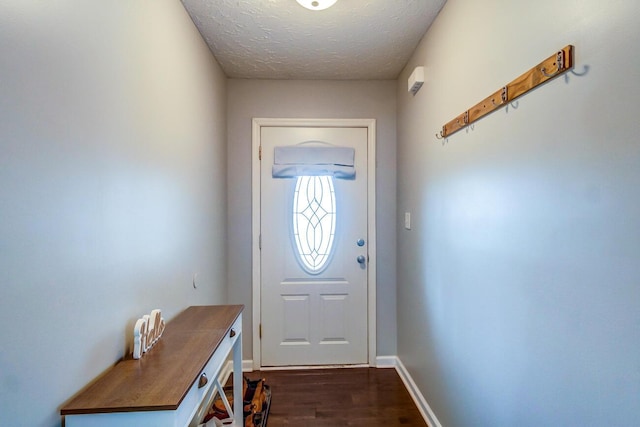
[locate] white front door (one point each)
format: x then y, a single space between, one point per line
313 300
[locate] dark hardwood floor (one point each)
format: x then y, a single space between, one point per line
339 397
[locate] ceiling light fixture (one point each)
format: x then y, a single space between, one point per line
317 4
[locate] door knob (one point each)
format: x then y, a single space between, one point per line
361 259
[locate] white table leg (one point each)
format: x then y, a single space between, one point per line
238 420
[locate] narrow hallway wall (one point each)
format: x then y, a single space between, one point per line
519 280
112 188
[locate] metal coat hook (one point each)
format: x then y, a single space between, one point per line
503 97
465 119
559 65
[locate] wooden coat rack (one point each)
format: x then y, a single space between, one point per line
555 65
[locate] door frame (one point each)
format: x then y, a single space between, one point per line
257 124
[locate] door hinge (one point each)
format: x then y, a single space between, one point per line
260 241
260 331
260 152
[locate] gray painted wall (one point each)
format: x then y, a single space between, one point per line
113 186
311 99
519 283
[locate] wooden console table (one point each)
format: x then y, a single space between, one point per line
172 385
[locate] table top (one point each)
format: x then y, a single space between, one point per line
162 377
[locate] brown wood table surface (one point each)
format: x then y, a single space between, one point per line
162 377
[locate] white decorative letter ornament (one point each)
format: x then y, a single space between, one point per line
139 336
147 332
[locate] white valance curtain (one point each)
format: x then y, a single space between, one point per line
291 162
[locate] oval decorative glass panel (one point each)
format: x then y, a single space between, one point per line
314 221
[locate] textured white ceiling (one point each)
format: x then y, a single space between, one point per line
279 39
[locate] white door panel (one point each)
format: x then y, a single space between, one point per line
313 319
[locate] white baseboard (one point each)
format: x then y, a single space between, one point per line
386 361
227 369
416 395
